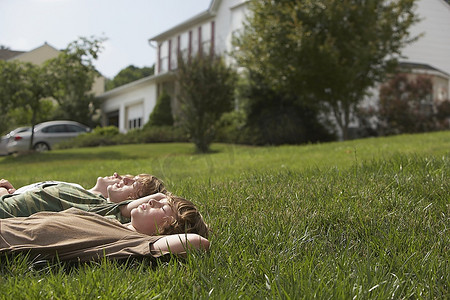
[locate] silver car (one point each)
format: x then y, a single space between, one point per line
5 139
46 135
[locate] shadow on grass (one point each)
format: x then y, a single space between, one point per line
51 156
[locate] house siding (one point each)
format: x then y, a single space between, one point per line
212 33
132 103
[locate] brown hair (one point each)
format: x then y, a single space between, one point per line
149 185
187 218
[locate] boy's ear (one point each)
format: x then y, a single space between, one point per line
170 219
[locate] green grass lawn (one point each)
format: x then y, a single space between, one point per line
350 220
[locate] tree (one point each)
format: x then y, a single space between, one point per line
72 76
23 85
206 92
328 51
66 79
10 87
129 74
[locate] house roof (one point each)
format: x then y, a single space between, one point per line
131 85
209 13
419 66
6 54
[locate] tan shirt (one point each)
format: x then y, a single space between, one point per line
72 235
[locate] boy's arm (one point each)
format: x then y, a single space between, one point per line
125 210
179 243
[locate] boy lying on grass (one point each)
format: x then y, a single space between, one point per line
150 185
164 224
106 198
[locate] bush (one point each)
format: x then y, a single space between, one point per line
276 118
406 106
162 113
231 127
105 136
155 134
106 131
443 115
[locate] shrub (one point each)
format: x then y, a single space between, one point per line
155 134
230 127
162 113
406 106
104 136
276 118
443 115
106 131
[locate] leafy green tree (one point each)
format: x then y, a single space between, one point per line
12 87
129 74
328 51
22 115
162 113
72 75
206 92
24 85
66 79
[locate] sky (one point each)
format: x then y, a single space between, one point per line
127 25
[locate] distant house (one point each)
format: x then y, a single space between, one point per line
129 106
36 56
41 54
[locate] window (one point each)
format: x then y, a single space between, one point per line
75 128
174 53
164 56
135 123
207 36
112 118
55 129
184 45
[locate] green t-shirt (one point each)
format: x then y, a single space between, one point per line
56 198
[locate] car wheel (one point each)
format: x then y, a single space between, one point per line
41 147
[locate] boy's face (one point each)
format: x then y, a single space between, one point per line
150 217
125 188
108 180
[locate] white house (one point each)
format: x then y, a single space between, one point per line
129 106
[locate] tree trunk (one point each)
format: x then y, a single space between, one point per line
33 122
